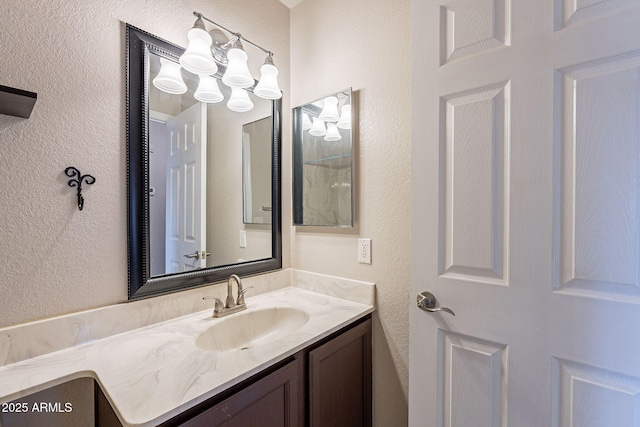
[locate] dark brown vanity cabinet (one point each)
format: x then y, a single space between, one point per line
327 384
339 388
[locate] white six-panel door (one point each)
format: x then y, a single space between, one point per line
186 190
526 213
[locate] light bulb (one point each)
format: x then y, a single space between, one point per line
267 87
169 79
329 111
237 74
197 58
345 117
239 101
317 128
333 134
208 90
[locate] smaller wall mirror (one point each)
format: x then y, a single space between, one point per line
323 167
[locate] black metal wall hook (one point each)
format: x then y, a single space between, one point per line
77 182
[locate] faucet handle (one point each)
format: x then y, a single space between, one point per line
241 293
219 305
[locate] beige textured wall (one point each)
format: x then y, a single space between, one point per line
56 259
365 44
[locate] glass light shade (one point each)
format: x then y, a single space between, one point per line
169 79
197 59
208 90
239 100
329 111
317 128
306 122
267 87
237 74
333 134
345 117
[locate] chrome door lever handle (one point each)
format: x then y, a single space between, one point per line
427 302
194 255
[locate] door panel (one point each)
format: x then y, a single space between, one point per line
598 242
589 396
474 381
525 213
186 189
474 142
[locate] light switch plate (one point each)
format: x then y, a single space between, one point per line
243 239
364 251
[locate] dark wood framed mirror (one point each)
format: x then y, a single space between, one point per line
148 274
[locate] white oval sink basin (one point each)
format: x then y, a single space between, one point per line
252 328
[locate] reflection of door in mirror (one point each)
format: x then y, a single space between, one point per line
185 238
178 200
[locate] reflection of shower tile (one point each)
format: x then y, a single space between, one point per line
344 196
327 196
319 204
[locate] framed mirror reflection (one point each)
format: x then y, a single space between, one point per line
186 190
256 172
323 161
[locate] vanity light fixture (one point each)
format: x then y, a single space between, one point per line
207 50
328 123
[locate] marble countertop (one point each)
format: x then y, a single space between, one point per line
155 372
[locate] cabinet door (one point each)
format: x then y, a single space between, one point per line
340 380
273 401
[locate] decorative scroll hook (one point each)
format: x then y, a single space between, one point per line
72 172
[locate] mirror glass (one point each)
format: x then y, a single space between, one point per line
323 168
186 168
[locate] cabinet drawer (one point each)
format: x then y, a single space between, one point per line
273 401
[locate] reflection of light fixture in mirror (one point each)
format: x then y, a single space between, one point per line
239 100
345 117
169 79
208 90
267 87
306 122
317 128
237 73
197 58
329 111
332 133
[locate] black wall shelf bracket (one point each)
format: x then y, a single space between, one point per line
77 182
16 102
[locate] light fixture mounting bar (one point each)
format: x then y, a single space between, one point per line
238 35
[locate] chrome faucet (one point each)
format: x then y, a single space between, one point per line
231 306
